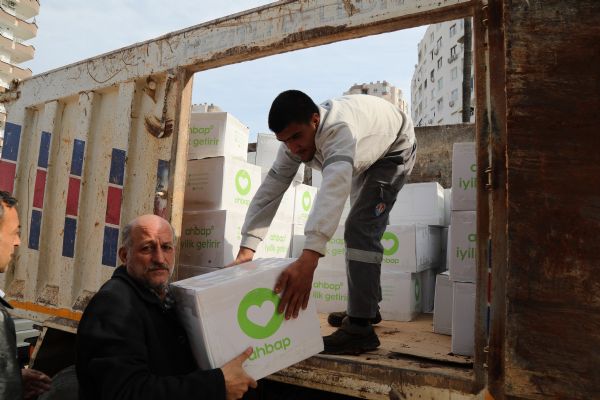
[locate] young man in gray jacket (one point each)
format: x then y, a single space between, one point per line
365 148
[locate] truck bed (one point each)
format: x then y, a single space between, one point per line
411 359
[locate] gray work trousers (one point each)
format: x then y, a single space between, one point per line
372 197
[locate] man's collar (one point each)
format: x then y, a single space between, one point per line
144 292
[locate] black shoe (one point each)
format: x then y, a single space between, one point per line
335 318
351 339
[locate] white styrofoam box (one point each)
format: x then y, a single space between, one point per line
444 260
278 242
188 271
411 248
217 134
421 203
267 147
220 183
401 293
464 177
463 318
303 203
427 290
442 309
251 157
447 205
448 247
210 238
317 178
285 212
462 248
226 311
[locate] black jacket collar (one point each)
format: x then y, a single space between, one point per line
142 291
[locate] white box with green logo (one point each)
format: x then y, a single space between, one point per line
335 252
421 203
220 183
267 147
464 177
188 271
210 238
411 248
278 241
462 247
226 311
401 292
216 134
285 212
303 203
442 310
463 318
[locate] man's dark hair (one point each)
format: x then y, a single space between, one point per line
6 200
291 106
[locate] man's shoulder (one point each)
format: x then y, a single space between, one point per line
115 292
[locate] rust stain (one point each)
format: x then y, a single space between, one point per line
16 289
350 8
158 129
49 295
82 300
150 88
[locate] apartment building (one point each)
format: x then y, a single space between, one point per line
381 89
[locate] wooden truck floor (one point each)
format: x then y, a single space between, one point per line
411 357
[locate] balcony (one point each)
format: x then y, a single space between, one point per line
27 8
19 52
19 27
14 72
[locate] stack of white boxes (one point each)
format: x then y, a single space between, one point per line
219 187
462 247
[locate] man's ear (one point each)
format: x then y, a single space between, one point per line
316 118
123 255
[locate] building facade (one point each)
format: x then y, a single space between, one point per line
436 87
17 26
383 90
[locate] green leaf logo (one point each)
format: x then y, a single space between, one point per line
306 201
243 182
390 243
257 313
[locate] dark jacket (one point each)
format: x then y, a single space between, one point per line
130 346
11 387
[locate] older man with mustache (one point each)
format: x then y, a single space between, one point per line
131 344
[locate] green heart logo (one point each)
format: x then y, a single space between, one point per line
306 201
257 313
417 289
243 182
389 249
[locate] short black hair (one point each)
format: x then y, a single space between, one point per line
6 200
291 106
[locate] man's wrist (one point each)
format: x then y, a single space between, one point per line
311 257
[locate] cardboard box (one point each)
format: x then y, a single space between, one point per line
411 248
251 158
226 311
220 184
463 246
285 212
464 177
447 205
267 147
277 243
421 203
188 271
442 309
217 134
401 293
303 203
463 318
335 256
210 238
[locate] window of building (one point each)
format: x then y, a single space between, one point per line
425 84
431 36
440 83
439 43
454 95
432 93
439 63
454 73
453 51
440 104
432 75
453 30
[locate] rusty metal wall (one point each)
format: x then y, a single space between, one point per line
434 155
553 182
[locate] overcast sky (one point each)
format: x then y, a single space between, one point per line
72 30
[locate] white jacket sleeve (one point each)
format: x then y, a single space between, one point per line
338 163
266 201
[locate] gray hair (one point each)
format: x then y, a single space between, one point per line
6 200
126 235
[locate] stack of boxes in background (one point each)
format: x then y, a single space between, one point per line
461 255
412 253
219 187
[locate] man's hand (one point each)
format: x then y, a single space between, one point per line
35 383
236 379
295 282
244 255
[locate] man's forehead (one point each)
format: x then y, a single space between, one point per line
146 232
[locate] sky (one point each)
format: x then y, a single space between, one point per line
72 30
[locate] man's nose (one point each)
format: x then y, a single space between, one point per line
18 241
293 147
159 255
